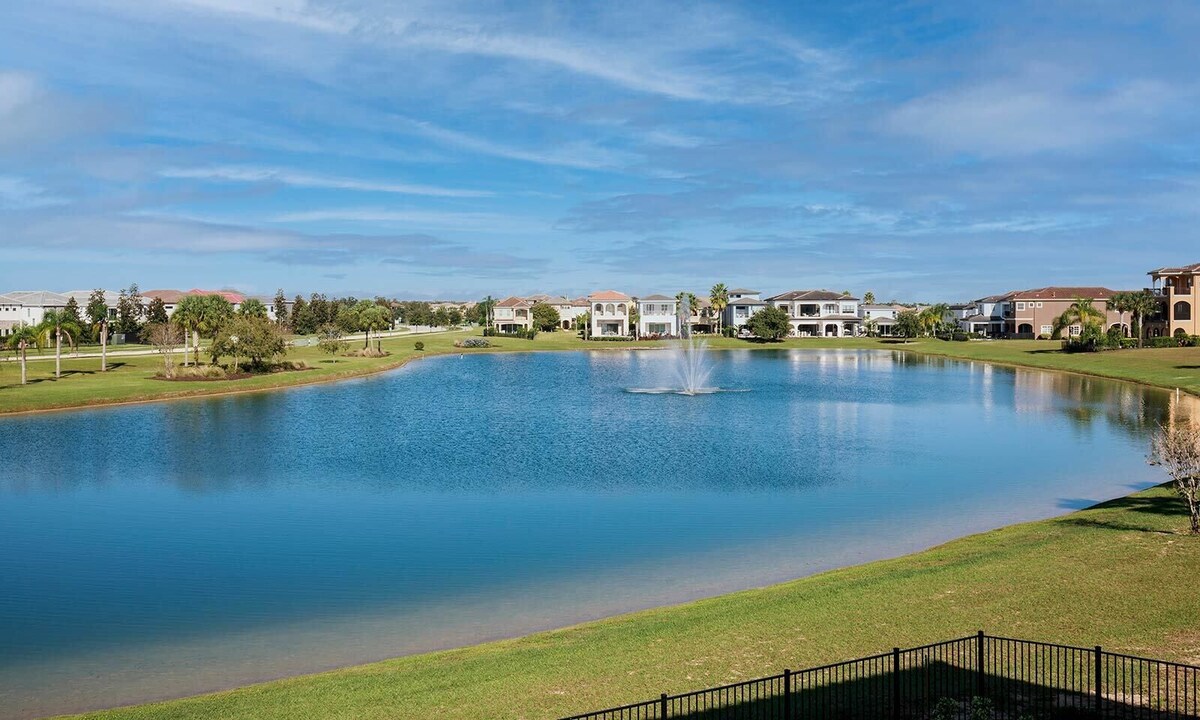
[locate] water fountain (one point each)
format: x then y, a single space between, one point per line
692 366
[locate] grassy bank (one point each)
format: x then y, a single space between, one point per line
1120 574
130 379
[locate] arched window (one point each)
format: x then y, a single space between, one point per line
609 309
621 308
599 308
1183 310
1180 332
1025 329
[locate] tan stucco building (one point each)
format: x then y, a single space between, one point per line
1031 313
1180 290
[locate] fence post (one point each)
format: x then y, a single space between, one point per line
787 694
895 683
979 674
1099 679
662 707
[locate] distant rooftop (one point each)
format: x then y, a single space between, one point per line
1183 270
812 295
609 295
1064 293
657 298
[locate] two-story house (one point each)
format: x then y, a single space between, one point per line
817 313
742 304
1180 290
512 314
29 306
610 313
880 319
568 310
1034 311
658 316
10 314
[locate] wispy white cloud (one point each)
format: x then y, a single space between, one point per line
295 178
19 194
582 155
474 221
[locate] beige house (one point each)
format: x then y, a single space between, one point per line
817 313
1031 313
568 310
512 314
1180 290
610 313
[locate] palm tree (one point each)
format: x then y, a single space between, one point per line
1140 304
1082 312
718 298
868 298
189 315
932 317
101 329
20 339
56 324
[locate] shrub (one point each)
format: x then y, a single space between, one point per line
611 338
960 336
729 331
473 343
420 346
200 372
520 334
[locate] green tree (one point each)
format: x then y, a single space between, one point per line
252 307
1082 312
770 323
456 316
545 317
870 325
371 317
97 316
21 339
718 299
933 317
189 315
318 305
441 317
72 311
304 322
255 339
868 298
281 309
130 311
1140 304
58 325
583 323
157 313
908 324
331 341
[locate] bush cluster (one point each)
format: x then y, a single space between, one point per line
611 338
521 334
473 343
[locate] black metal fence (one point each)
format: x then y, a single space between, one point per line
973 677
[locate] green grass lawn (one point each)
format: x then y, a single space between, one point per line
1121 574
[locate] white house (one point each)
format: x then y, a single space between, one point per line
30 306
816 313
658 316
742 304
610 313
881 319
10 314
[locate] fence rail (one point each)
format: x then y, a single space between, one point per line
976 676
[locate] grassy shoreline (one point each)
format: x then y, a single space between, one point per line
1098 575
129 381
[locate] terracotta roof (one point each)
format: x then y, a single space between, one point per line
1063 293
657 298
811 295
995 298
609 295
167 296
580 302
231 296
1194 268
514 302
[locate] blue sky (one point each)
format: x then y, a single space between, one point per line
443 149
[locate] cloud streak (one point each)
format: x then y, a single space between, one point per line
295 178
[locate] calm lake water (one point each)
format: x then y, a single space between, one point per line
160 550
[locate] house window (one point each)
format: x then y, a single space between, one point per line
1183 310
1047 329
1020 306
1039 305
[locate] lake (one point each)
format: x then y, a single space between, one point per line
159 550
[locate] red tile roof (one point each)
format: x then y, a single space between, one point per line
514 302
609 295
1184 270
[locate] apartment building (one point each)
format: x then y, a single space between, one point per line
1180 291
1033 312
819 313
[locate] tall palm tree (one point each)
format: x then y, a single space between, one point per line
101 329
189 315
21 338
58 324
1139 304
718 298
1082 312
